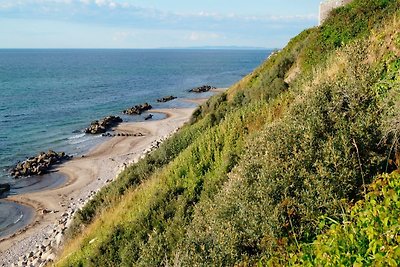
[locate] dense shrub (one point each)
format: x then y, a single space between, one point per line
298 139
368 236
294 171
346 24
136 173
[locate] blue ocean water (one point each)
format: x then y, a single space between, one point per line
48 96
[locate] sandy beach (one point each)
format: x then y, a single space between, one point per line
86 175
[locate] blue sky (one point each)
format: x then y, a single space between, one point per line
153 23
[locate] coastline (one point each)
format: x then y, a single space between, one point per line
86 175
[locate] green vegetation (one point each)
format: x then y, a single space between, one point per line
267 172
368 236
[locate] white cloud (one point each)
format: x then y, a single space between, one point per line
202 27
112 5
101 2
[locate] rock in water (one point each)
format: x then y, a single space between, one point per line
4 188
202 89
97 127
148 117
138 109
166 99
38 165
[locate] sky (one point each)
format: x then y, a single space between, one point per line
153 23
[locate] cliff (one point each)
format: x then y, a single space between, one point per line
268 172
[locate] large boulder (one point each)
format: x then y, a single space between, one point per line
166 99
148 117
138 109
101 126
38 165
202 89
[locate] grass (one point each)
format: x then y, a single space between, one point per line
265 171
368 235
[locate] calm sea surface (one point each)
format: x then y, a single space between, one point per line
48 96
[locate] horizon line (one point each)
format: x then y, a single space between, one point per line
148 48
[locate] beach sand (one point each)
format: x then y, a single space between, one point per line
86 175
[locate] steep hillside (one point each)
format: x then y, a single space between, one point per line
268 171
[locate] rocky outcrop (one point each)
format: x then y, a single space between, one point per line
166 99
97 127
138 109
38 165
4 188
202 89
148 117
121 134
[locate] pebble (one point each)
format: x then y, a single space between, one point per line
52 236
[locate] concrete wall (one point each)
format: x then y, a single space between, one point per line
327 6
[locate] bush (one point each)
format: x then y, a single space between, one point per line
368 235
294 171
252 175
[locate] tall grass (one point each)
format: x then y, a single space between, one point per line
250 177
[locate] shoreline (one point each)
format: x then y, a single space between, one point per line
86 175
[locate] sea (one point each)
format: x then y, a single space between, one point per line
48 96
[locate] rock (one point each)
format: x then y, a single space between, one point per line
148 117
51 257
46 211
59 239
45 256
46 243
166 99
138 109
68 224
36 262
4 188
38 165
98 127
202 89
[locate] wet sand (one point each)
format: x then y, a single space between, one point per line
197 101
86 175
14 216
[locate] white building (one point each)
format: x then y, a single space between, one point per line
327 6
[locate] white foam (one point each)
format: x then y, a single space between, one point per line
76 136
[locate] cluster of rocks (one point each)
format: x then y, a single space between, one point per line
103 125
202 89
166 99
38 165
157 143
121 134
45 252
138 109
